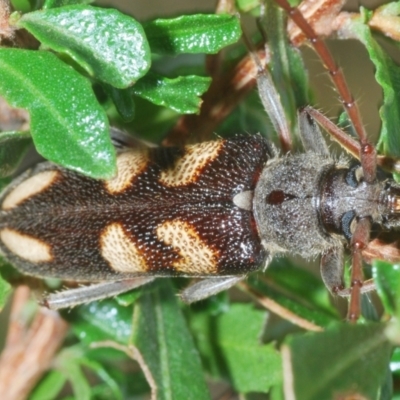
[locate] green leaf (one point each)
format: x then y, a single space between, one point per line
5 291
21 5
128 298
388 77
108 44
252 367
68 126
248 5
387 280
105 320
201 33
105 376
13 147
49 386
161 335
62 3
161 120
78 380
123 101
344 360
181 94
395 361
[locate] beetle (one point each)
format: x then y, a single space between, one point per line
214 210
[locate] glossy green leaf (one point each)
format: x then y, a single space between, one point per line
62 3
68 126
201 33
104 320
128 298
13 147
108 44
237 335
344 360
162 337
387 280
49 386
388 77
181 94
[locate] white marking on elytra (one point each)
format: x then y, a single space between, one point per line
244 200
129 164
196 256
119 250
27 247
28 188
188 168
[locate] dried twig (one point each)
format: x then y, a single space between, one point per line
29 349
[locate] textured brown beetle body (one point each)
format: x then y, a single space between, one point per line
214 210
168 212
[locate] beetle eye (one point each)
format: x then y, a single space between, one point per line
355 175
348 224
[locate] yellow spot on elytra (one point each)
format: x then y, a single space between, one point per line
27 247
187 169
119 250
196 256
28 188
129 164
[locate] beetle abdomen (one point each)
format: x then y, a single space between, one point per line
169 211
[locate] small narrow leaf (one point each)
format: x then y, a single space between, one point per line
13 147
387 280
201 33
110 45
123 101
181 94
105 376
237 337
161 335
345 361
5 291
49 387
388 77
68 126
104 320
78 380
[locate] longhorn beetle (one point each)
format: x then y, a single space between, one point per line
215 210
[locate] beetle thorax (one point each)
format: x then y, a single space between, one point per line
286 205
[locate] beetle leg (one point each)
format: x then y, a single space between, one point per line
310 134
86 294
359 241
123 141
208 287
332 267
